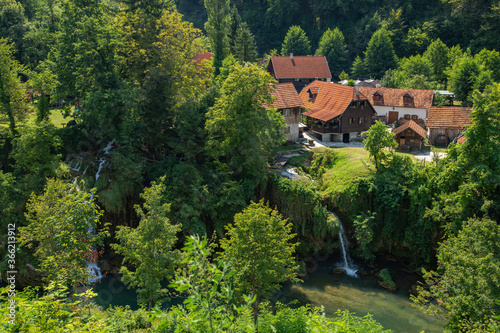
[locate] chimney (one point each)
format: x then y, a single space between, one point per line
356 89
291 56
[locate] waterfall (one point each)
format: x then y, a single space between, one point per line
92 266
346 262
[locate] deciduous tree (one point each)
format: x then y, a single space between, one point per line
217 27
59 223
377 138
332 46
260 248
379 54
242 132
467 281
296 42
149 247
437 53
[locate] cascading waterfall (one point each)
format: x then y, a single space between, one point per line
92 266
346 262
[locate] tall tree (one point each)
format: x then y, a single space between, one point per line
462 79
234 136
217 27
59 223
296 42
437 53
149 247
260 249
358 69
380 55
378 138
13 24
244 47
490 60
13 101
332 46
467 281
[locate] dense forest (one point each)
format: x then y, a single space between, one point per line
118 145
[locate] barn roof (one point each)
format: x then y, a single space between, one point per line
422 98
286 96
414 126
448 117
330 99
300 67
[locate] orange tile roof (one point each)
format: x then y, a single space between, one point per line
448 117
461 139
286 96
203 56
331 100
300 67
422 98
414 126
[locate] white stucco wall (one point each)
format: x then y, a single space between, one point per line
384 111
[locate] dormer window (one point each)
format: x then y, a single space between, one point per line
408 99
313 92
377 96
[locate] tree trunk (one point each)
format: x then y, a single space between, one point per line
150 301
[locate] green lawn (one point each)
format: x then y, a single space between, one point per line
56 118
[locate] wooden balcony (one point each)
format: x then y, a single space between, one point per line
326 129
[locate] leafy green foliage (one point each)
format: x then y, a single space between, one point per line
311 221
358 69
211 305
466 282
437 53
379 54
59 224
386 277
332 46
296 42
462 79
234 136
217 29
378 138
260 248
244 45
13 102
149 247
36 149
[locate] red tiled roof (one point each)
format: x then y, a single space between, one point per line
414 126
203 56
331 101
300 67
461 139
448 117
286 96
394 97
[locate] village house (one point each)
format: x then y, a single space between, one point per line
410 136
299 70
336 113
446 123
399 105
289 104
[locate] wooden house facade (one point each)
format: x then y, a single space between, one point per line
410 136
289 104
446 123
336 113
299 70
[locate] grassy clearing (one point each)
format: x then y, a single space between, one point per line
287 148
55 117
349 163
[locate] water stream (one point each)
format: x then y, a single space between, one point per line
346 262
92 266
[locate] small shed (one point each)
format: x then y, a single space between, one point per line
410 136
446 123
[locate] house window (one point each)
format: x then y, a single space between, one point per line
414 117
287 130
362 120
407 116
407 98
352 120
287 113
